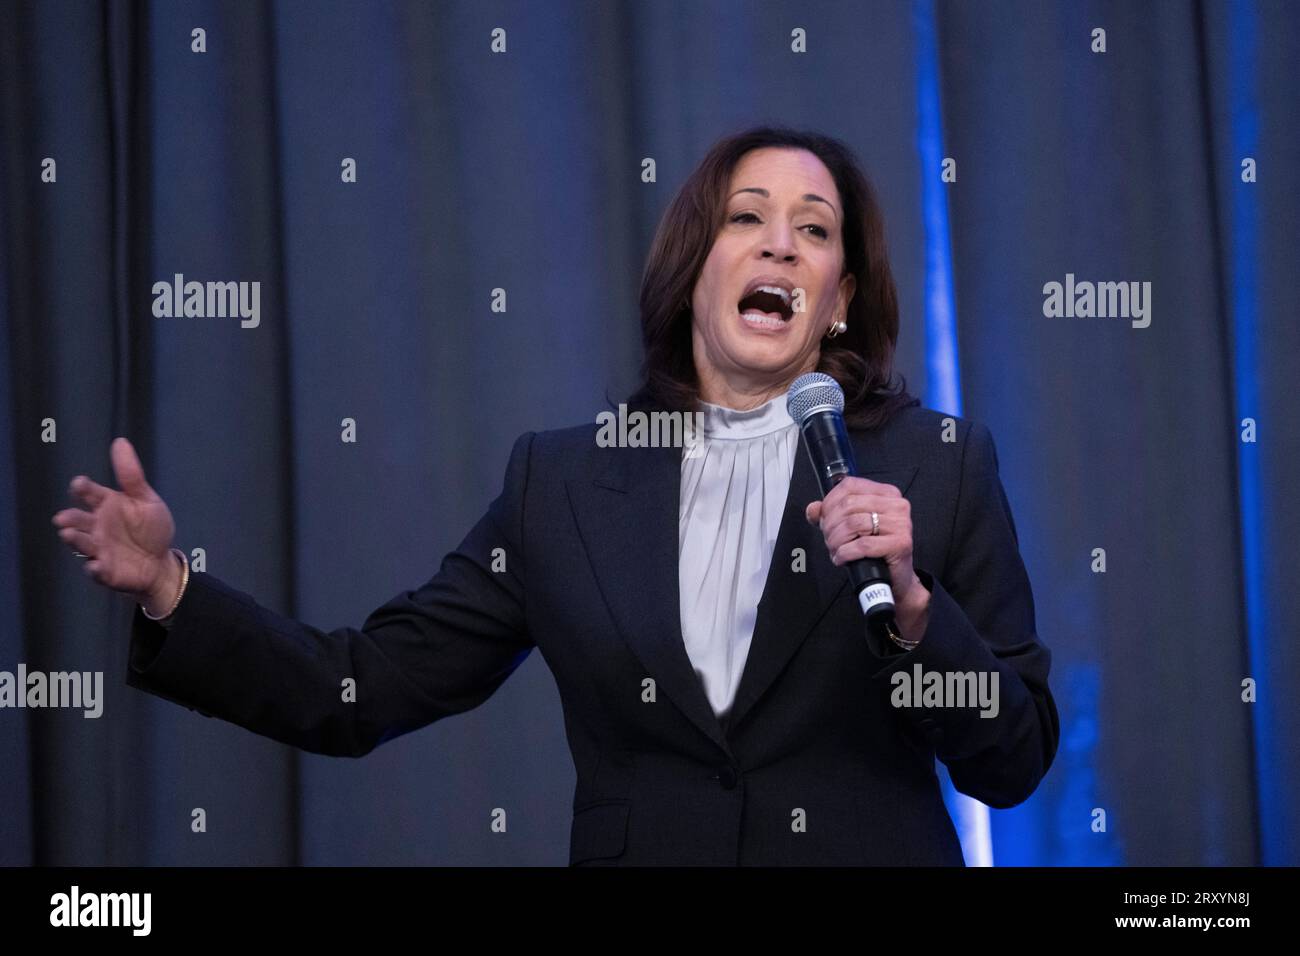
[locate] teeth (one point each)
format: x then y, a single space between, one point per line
759 318
774 289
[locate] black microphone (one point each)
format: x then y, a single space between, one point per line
816 402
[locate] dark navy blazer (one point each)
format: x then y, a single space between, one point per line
813 766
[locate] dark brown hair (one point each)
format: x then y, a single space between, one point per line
860 359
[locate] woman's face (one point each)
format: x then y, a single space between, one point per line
782 230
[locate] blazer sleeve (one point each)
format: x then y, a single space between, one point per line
981 619
441 649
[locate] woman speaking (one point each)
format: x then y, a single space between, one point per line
725 702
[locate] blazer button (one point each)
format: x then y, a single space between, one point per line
727 776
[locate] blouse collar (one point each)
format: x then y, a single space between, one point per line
731 423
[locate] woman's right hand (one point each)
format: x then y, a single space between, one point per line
126 535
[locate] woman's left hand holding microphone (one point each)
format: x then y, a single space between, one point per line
845 518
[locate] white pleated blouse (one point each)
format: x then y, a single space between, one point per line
733 495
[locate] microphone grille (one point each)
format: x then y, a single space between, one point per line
813 392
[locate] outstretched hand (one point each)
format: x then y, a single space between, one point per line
125 534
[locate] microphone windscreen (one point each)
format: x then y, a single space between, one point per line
813 392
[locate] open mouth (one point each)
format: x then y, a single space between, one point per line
766 307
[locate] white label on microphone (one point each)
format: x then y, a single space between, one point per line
875 595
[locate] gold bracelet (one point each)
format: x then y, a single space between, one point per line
185 579
892 631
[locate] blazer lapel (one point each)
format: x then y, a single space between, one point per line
628 519
793 600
